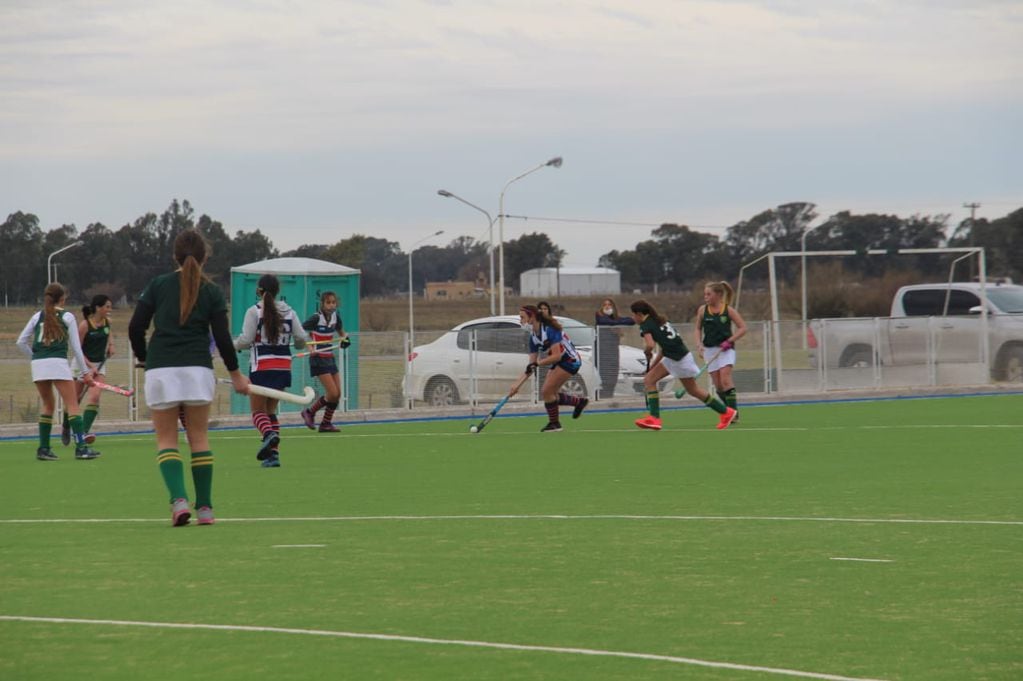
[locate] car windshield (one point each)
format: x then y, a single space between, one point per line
1008 300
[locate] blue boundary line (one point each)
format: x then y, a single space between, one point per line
621 410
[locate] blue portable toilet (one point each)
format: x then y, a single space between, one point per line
302 282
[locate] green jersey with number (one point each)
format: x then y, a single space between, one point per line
56 348
717 328
173 344
94 345
665 335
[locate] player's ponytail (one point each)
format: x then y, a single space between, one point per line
190 253
268 287
643 307
723 289
53 329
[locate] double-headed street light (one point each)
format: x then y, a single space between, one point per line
490 246
411 318
49 268
554 163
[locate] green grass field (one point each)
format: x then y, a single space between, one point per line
879 540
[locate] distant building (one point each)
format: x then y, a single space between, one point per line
545 282
454 290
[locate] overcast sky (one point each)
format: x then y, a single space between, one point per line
313 120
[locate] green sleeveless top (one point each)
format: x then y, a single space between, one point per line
57 348
94 345
665 335
717 328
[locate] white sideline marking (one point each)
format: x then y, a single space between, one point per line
689 518
866 560
298 546
444 641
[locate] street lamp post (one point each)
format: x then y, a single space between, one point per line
802 270
49 260
490 245
411 318
554 163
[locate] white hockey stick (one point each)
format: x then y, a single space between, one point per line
283 395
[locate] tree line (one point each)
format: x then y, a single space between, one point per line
675 257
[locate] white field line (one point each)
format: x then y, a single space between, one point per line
442 641
682 518
865 560
351 431
298 546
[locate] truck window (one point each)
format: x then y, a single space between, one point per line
931 302
923 303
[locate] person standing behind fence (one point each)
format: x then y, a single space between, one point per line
674 358
322 327
184 307
97 345
45 340
608 341
716 339
269 327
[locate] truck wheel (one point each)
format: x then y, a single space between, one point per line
1010 364
857 358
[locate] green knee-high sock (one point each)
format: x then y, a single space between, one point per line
202 476
89 415
715 404
173 472
729 397
653 403
45 426
78 430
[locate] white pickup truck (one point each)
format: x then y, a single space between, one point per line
939 321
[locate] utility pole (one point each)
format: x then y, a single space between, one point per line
973 206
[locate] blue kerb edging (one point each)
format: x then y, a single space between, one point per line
622 410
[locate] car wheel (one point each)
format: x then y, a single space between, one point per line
1010 364
857 358
441 392
574 386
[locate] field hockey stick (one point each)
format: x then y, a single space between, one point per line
116 389
283 395
497 407
330 348
681 392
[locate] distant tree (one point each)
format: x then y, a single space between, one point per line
1001 239
24 265
307 251
778 229
529 252
844 231
384 267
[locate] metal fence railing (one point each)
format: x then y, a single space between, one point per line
472 369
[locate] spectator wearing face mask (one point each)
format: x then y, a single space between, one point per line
608 340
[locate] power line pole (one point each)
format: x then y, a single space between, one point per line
973 206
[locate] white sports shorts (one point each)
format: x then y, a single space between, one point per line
51 369
169 387
725 359
681 368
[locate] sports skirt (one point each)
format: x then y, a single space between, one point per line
682 368
51 369
720 358
277 379
169 387
322 365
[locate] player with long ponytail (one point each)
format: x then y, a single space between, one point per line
46 340
184 308
269 328
716 338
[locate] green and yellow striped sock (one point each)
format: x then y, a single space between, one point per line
715 404
45 426
202 476
653 403
89 416
78 430
173 471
